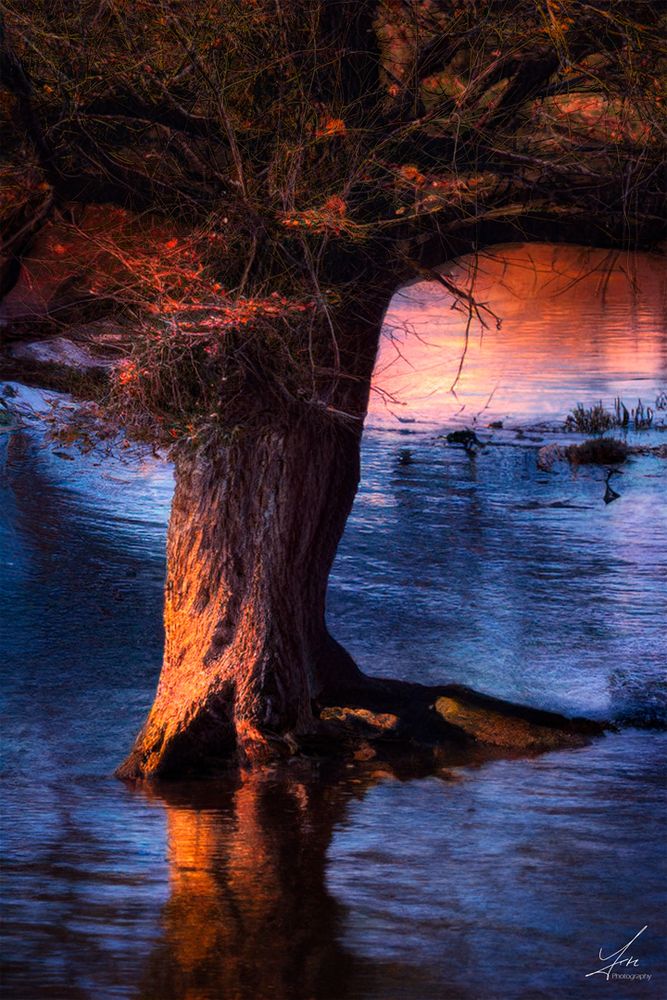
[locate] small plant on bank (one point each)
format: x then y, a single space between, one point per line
642 418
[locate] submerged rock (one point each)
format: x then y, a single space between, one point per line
467 438
548 455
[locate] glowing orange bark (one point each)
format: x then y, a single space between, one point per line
253 533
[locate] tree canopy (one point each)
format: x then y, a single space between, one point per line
231 180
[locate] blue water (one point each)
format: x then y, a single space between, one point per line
499 881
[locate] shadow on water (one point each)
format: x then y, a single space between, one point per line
75 580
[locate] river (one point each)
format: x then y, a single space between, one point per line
488 882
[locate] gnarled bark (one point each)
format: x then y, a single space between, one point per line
249 665
253 533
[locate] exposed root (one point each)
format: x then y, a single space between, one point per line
400 712
376 720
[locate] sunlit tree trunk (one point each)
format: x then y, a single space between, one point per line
254 529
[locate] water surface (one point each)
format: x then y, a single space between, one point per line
500 881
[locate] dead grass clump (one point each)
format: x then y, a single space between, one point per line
597 451
597 419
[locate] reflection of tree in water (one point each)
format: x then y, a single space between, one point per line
250 917
249 914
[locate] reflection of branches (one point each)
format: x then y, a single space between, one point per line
520 284
475 309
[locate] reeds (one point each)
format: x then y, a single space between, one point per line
597 419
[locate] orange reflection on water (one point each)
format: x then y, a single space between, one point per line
576 325
249 916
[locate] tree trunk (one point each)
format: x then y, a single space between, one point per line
253 533
254 529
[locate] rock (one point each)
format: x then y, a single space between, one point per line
500 729
362 722
58 350
496 425
547 455
467 438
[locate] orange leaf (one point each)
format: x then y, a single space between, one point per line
333 126
336 204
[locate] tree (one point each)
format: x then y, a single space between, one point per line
270 172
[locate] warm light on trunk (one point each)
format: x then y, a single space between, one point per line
253 533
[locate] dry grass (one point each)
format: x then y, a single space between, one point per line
590 419
597 419
597 451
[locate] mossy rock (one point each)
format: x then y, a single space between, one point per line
503 730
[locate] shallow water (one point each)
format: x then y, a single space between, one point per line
501 881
